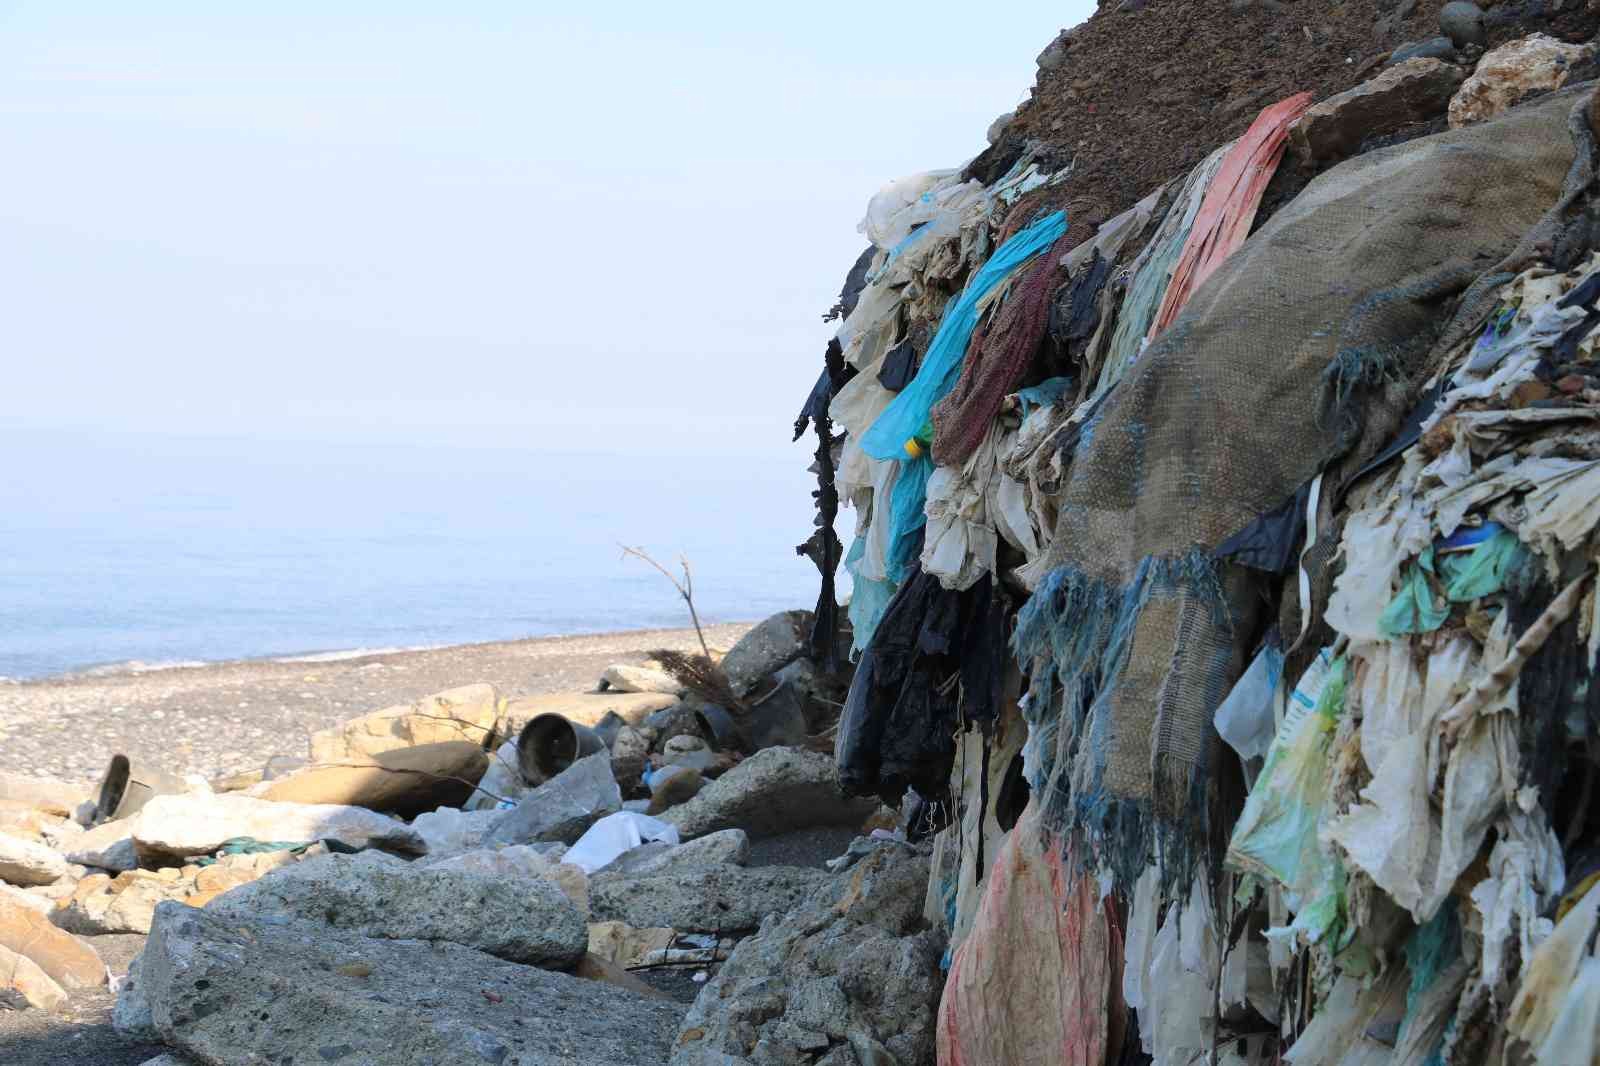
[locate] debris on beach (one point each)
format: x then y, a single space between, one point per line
1219 679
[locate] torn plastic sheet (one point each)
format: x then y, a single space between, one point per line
1247 716
1276 836
1547 976
908 411
1392 834
1415 608
606 840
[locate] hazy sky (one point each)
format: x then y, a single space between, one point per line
498 223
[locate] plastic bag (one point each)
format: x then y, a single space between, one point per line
614 834
1276 836
1246 718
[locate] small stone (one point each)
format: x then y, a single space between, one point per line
1462 22
997 128
1433 48
688 750
621 677
628 754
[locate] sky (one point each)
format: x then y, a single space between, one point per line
495 224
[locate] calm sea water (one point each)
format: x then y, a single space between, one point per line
118 550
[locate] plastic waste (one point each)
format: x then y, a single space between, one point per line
614 834
1246 719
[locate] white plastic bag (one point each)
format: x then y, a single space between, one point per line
1246 717
614 834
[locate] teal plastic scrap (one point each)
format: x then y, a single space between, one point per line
1043 394
1416 608
1434 582
1483 571
941 365
252 846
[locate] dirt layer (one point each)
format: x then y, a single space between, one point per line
1147 88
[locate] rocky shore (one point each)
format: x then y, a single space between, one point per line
546 877
224 718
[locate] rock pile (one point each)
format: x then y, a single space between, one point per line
468 898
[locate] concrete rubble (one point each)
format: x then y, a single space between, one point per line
263 909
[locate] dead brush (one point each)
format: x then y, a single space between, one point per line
701 676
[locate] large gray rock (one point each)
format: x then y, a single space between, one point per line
172 827
130 1015
1413 91
563 807
729 847
23 862
239 993
775 791
710 899
525 920
851 968
766 649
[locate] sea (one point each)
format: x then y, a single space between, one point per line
140 552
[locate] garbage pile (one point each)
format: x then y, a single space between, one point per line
531 870
1223 591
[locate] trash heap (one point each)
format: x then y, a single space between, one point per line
1223 593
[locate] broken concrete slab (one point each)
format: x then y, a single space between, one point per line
730 847
404 781
525 920
777 790
228 991
183 826
520 861
470 713
121 904
24 862
563 807
710 899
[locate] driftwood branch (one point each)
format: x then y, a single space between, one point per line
685 587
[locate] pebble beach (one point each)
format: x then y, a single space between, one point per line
225 718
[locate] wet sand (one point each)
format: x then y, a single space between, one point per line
225 718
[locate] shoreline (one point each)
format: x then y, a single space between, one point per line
325 657
227 717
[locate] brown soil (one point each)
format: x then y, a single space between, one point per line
1146 94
